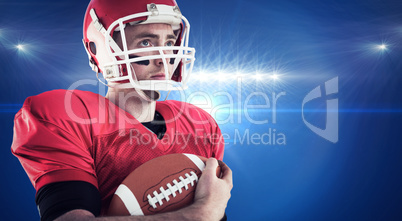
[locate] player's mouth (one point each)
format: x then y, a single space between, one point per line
158 77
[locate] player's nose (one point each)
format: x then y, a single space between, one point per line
160 61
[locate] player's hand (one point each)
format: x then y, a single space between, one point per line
213 193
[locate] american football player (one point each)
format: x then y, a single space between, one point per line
78 146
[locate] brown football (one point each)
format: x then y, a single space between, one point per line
163 184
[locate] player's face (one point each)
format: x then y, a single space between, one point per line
150 35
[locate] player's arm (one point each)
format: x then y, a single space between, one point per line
55 199
211 198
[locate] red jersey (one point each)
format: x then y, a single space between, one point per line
77 135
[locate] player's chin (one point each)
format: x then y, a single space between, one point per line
154 95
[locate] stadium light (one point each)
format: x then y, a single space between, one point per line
238 75
382 47
275 77
257 77
221 76
20 47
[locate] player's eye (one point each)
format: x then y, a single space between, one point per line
145 43
170 43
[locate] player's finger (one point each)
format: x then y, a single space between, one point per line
211 165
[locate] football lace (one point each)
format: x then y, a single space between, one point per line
172 189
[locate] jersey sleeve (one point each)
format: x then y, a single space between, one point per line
50 143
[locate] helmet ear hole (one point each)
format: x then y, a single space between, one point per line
92 47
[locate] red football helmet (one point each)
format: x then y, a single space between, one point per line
104 18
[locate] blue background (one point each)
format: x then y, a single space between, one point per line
305 42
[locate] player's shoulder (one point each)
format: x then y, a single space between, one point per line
60 103
61 94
